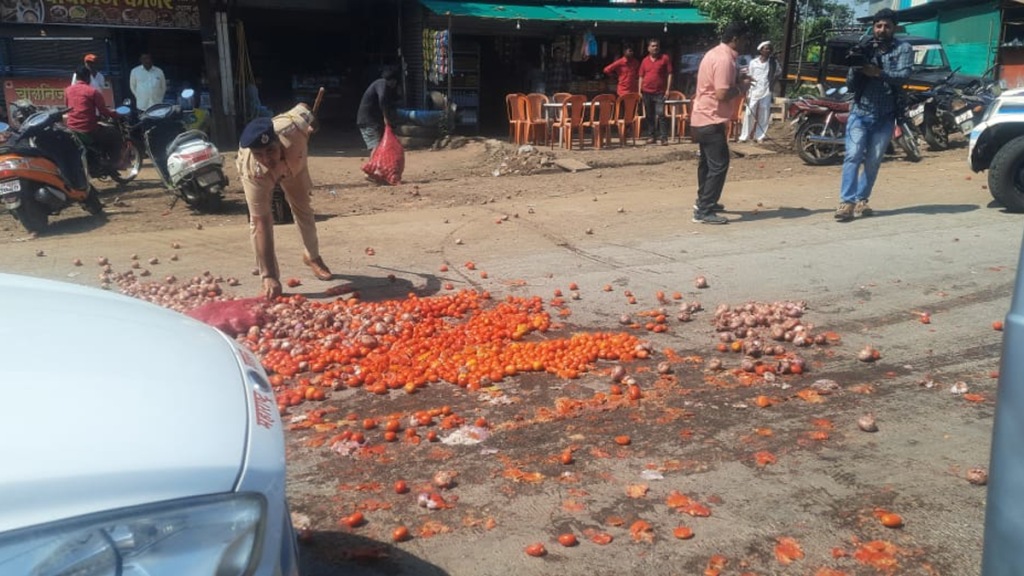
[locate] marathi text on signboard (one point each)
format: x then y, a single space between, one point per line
43 92
182 14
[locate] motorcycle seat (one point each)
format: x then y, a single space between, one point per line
835 105
184 137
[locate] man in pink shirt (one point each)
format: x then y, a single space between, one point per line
627 69
655 82
719 88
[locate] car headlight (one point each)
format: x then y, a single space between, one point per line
207 535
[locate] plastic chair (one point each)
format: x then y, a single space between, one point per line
559 97
734 124
514 111
677 115
571 119
626 108
602 113
535 125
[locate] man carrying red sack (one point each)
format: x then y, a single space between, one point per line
377 108
273 151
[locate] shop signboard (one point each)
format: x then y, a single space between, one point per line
43 92
170 14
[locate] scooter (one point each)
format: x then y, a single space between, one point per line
122 169
189 165
821 138
43 171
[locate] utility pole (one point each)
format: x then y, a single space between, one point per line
787 42
222 126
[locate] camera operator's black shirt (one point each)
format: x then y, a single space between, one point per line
877 96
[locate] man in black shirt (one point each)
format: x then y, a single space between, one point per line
377 108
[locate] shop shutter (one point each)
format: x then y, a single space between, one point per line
55 56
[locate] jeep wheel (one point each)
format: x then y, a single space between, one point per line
1006 175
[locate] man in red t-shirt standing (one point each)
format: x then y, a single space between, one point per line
719 87
627 69
87 106
655 82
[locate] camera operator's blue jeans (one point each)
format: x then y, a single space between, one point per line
867 138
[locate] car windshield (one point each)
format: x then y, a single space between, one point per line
930 57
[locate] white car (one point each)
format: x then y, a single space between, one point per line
997 145
135 440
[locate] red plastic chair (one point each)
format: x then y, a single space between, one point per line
602 113
514 111
626 116
570 119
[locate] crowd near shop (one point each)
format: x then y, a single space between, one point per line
251 58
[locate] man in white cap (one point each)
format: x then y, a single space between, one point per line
763 71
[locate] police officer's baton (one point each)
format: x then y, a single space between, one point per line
319 98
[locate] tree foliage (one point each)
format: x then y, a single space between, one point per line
767 19
762 17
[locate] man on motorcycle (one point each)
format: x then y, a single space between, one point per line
83 119
876 78
273 151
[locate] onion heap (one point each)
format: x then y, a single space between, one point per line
758 330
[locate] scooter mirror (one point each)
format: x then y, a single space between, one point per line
4 127
843 90
123 110
830 92
187 93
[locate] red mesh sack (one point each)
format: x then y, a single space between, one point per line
233 317
387 161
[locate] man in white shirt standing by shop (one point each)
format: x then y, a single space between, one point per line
147 83
763 71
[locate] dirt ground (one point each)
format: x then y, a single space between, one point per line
771 473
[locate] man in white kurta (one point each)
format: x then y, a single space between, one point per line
147 83
762 71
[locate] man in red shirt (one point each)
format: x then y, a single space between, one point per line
719 88
627 69
655 81
87 106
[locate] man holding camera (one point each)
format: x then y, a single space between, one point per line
880 66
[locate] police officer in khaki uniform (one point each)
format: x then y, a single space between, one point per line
273 151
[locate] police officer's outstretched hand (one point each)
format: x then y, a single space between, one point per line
271 288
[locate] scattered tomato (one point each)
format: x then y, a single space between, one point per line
401 487
536 550
683 533
568 540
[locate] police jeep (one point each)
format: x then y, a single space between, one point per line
997 145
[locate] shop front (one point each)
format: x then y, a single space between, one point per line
476 52
43 41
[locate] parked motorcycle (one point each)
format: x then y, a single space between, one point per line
189 165
946 110
122 168
821 136
43 171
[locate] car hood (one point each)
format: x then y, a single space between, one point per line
933 77
111 402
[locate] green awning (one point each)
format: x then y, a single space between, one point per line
562 13
484 10
681 15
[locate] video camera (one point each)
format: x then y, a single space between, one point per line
863 52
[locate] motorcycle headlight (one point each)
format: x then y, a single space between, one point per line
206 535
